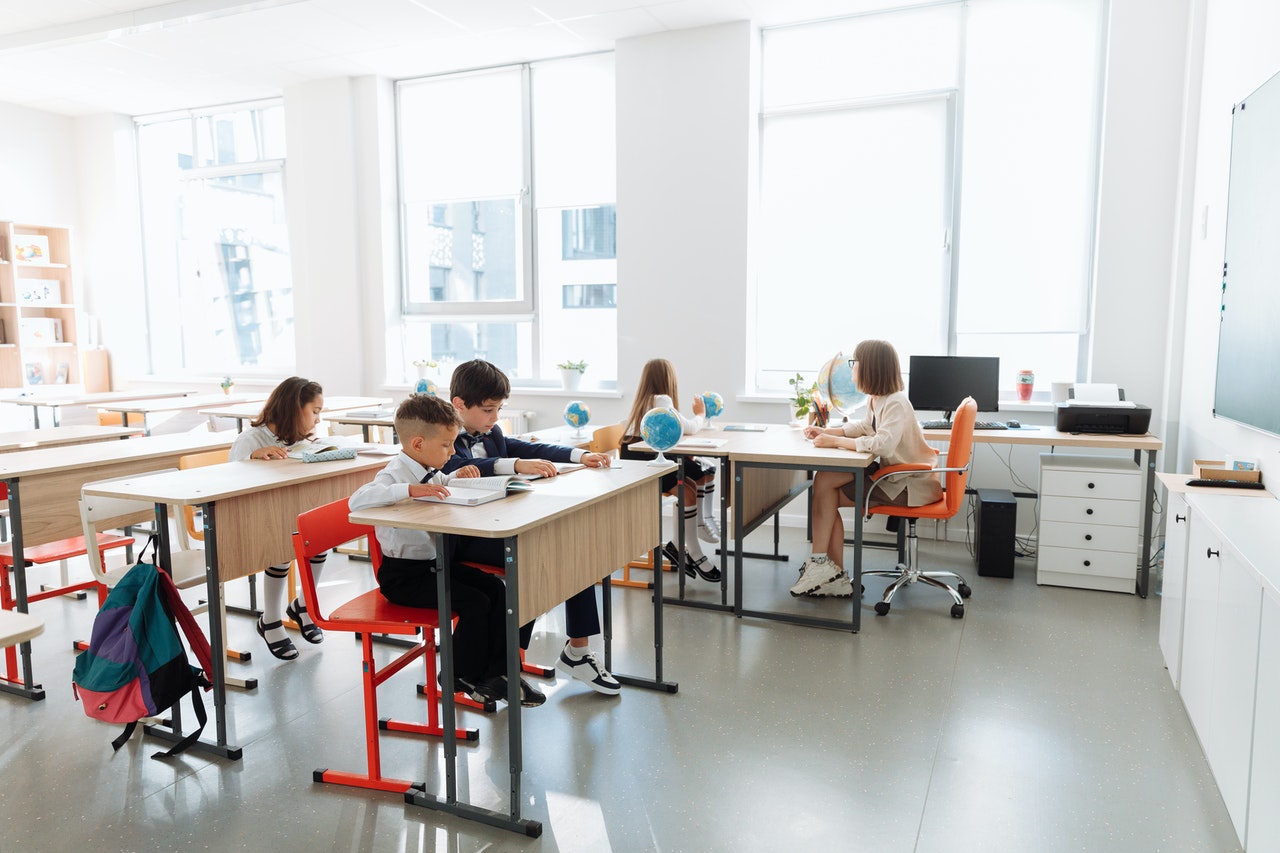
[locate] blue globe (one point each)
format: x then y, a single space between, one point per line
661 429
714 403
837 386
426 386
576 414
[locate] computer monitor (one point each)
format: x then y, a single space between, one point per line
940 382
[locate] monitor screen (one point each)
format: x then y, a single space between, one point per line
940 382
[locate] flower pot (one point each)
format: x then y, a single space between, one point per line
570 379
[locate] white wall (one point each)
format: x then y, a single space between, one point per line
38 169
1240 53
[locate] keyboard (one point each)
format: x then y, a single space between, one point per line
1226 484
947 425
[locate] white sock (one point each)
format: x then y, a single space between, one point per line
691 545
574 652
274 583
707 500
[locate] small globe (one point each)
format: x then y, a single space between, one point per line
576 414
714 403
837 385
661 429
426 386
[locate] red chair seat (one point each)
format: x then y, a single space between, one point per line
63 549
373 613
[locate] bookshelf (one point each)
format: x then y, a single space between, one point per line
38 334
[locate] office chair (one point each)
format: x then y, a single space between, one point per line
323 529
956 471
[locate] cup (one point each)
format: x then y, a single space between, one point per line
1025 383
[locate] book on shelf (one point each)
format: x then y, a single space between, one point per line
561 468
473 491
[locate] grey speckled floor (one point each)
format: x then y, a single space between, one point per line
1043 721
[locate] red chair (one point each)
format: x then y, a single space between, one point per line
956 471
323 529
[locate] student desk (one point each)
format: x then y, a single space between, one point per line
18 627
32 439
1052 438
562 536
250 511
767 471
55 404
241 412
147 408
45 484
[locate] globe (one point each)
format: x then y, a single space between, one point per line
714 403
577 415
837 386
661 429
426 386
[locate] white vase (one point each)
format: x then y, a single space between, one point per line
570 379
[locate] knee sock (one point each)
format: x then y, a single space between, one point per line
274 584
707 501
317 568
691 546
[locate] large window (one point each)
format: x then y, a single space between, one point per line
929 176
219 285
508 219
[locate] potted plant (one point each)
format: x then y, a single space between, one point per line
571 373
227 384
802 397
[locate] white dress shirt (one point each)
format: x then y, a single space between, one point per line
391 485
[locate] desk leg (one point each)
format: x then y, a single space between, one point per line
679 539
656 683
859 510
1148 499
9 684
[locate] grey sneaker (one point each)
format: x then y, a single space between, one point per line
815 572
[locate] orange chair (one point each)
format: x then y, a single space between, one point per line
323 529
956 471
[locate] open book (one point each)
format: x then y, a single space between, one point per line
473 491
561 468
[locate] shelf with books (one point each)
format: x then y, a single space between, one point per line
39 341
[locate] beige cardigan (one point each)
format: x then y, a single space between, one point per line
897 439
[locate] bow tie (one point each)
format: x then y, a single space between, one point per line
472 439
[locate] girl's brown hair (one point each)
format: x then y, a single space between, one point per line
657 377
282 413
879 373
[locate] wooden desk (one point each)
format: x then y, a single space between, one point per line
239 498
147 408
564 535
45 484
241 412
32 439
1052 438
18 627
55 404
768 470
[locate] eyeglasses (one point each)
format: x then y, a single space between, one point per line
853 362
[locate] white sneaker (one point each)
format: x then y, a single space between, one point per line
815 572
709 531
838 587
587 668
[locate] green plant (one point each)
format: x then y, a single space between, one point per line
424 362
580 366
226 383
802 396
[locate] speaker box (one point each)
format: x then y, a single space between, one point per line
995 520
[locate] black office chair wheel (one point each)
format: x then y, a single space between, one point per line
957 611
964 590
882 607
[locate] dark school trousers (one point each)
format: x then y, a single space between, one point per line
479 600
581 616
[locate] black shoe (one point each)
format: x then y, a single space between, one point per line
283 649
673 556
495 688
311 632
712 574
466 688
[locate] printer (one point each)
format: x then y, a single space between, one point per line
1103 410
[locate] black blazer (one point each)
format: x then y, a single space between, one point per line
498 446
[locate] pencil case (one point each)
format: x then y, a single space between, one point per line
329 455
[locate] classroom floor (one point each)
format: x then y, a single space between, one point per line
1044 720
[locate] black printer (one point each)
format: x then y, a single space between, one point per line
1126 418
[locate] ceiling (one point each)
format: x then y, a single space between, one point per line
80 57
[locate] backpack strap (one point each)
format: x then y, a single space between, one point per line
201 717
182 615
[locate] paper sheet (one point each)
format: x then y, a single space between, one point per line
1097 392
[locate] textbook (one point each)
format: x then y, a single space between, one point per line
561 468
473 491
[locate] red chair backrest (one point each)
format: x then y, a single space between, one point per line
959 451
323 529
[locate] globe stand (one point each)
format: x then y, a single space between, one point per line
658 460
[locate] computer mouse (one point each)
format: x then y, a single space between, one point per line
1013 425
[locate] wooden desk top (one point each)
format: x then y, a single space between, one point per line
788 446
18 627
720 443
48 460
1178 483
1050 436
251 409
176 404
99 397
30 439
514 514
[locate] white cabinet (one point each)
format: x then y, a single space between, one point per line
1200 628
1089 512
1174 588
1264 789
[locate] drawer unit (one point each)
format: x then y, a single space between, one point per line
1090 508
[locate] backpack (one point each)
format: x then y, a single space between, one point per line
136 665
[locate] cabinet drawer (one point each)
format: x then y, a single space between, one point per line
1078 561
1091 511
1088 537
1105 485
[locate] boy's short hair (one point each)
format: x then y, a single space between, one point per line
420 412
477 381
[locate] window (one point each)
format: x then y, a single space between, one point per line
218 279
510 245
901 187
